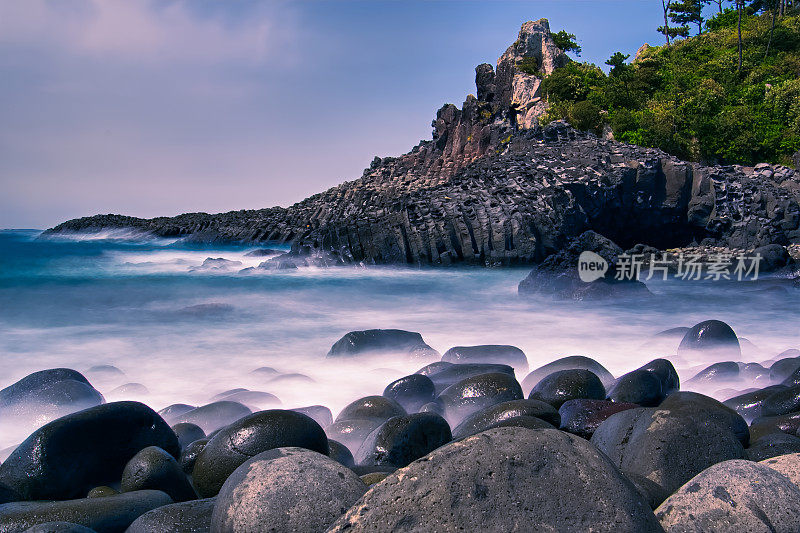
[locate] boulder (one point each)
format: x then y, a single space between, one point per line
411 392
321 414
748 405
189 455
565 385
377 407
212 416
375 341
340 453
783 368
665 372
700 405
240 441
47 395
488 353
717 373
59 527
187 433
710 337
781 402
641 387
403 439
788 465
453 373
582 417
478 392
101 492
112 514
175 410
184 517
153 468
504 479
763 425
286 489
733 496
69 456
666 447
352 433
773 445
490 416
572 362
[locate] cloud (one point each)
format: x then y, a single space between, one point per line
150 31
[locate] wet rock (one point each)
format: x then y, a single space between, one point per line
457 372
378 407
640 387
582 417
754 372
793 380
187 433
494 481
153 468
189 455
374 341
69 456
718 372
764 425
112 514
433 368
101 492
488 353
565 385
773 257
773 445
666 373
252 397
478 392
527 422
340 453
700 405
411 392
7 494
488 417
403 439
667 447
240 441
321 414
290 489
788 465
652 492
710 337
748 405
781 402
733 496
213 416
184 517
175 410
783 368
59 527
572 362
352 433
47 395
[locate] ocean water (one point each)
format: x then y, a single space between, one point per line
148 307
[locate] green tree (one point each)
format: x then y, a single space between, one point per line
686 12
617 63
567 42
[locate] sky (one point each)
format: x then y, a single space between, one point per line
160 107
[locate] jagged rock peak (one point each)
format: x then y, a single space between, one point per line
535 43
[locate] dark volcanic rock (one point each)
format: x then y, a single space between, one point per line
504 479
454 373
382 341
666 373
411 392
286 489
213 416
488 353
112 514
185 517
48 394
764 425
711 337
568 363
378 407
59 527
189 455
478 392
321 414
783 368
153 468
69 456
566 385
176 409
667 447
748 405
696 404
240 441
582 417
642 387
733 496
781 402
773 445
487 418
718 372
403 439
353 432
187 433
340 453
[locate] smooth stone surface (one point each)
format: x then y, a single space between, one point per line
432 368
773 445
710 337
59 527
185 517
48 394
488 353
765 425
695 404
256 398
403 439
69 456
187 433
101 492
528 422
565 385
582 417
213 416
748 405
783 368
189 455
667 447
733 496
375 341
787 464
321 414
454 373
641 387
340 453
572 362
478 392
176 409
487 418
666 373
153 468
378 407
248 437
285 489
504 479
653 493
724 371
411 392
7 494
352 433
112 514
781 402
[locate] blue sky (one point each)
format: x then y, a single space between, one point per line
154 108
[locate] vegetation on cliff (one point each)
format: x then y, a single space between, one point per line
690 98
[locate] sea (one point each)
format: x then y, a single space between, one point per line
186 328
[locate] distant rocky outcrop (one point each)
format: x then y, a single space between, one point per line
495 187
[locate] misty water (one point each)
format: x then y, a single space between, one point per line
187 333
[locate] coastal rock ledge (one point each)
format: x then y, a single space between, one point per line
494 187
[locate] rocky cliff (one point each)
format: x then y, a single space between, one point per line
493 187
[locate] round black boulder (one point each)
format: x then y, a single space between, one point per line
190 453
378 407
488 353
240 441
641 387
411 392
340 453
187 433
320 413
702 406
711 336
59 527
748 405
666 373
582 417
487 418
773 445
352 433
478 392
184 517
565 385
212 416
781 402
783 368
718 372
572 362
403 439
454 373
153 468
